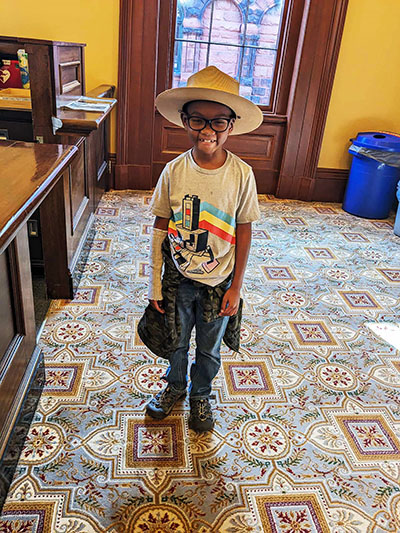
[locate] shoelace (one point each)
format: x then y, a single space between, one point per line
203 409
168 397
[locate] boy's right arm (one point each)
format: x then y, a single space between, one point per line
159 232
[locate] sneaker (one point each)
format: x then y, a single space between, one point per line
161 405
201 417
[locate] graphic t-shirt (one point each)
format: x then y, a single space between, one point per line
204 207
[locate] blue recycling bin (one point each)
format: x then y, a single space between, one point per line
371 187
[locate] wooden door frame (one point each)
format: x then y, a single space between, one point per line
310 96
313 75
137 68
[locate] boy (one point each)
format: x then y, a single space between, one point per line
205 201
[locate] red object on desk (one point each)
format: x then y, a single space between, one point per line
10 75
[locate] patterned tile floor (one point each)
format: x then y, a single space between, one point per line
307 437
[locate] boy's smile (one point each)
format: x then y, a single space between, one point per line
208 144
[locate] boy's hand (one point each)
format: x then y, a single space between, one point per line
230 302
158 305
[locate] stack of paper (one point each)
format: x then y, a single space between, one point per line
84 103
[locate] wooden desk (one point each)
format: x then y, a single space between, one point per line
57 73
31 176
28 172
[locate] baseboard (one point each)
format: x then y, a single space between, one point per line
332 173
329 184
112 161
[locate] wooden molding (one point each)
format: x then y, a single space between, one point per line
102 91
136 177
315 69
136 89
323 173
40 73
112 161
329 184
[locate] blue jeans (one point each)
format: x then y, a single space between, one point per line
208 342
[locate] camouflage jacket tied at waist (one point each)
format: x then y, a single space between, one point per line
160 332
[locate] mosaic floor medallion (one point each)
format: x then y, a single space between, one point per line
355 237
248 378
148 378
159 519
369 437
265 440
64 379
107 212
154 444
278 273
320 253
87 296
26 516
72 332
291 512
312 333
381 224
305 333
390 274
43 442
337 377
322 210
292 299
359 300
294 221
142 445
260 234
101 245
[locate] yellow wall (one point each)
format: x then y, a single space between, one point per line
94 22
366 90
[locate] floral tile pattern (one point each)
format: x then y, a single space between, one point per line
307 434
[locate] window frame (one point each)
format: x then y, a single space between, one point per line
242 46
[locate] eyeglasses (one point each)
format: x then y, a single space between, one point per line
219 125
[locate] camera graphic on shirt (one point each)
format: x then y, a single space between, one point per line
192 237
192 240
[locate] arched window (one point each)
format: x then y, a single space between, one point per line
240 37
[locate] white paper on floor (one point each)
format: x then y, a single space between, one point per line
388 331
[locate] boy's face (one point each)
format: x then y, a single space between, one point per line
207 141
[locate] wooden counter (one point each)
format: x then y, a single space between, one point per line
31 176
28 172
57 74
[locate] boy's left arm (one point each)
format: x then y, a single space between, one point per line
231 299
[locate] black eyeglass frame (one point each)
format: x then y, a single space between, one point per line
208 122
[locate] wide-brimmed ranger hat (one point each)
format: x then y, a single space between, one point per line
213 85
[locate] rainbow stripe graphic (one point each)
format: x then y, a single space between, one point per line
212 219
